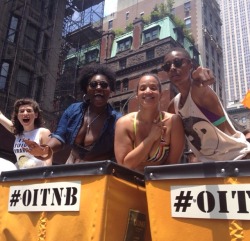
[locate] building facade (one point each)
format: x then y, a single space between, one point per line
239 114
30 39
235 16
135 52
30 33
201 17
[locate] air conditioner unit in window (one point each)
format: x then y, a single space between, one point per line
125 89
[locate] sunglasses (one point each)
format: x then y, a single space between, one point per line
176 62
94 84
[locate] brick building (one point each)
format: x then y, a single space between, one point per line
134 52
200 17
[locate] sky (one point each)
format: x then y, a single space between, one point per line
109 7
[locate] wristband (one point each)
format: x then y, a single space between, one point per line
49 154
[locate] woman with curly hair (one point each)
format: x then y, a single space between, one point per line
26 123
88 126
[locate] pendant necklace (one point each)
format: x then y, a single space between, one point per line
90 123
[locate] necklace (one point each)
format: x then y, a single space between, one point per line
90 123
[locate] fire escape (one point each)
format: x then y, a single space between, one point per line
83 26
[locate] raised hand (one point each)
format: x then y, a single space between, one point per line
202 77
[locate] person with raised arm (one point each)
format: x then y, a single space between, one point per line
27 123
210 133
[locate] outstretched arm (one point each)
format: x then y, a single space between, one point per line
205 97
6 123
43 151
202 94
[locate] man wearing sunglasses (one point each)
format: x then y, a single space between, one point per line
88 126
209 132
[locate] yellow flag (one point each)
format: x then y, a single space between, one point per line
246 100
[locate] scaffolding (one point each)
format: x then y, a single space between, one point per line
83 27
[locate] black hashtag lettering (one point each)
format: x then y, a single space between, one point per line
183 201
15 197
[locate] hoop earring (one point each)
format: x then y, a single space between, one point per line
85 98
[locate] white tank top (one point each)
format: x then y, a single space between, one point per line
207 141
24 159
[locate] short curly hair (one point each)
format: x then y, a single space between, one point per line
18 128
87 72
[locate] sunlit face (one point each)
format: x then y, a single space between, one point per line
177 66
26 116
99 90
149 92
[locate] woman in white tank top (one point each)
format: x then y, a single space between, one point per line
26 123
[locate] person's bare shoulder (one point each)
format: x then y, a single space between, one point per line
125 122
126 119
167 115
125 125
171 107
45 130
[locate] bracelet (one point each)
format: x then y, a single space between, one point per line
49 154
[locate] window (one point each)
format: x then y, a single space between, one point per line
45 47
110 24
205 9
179 35
207 61
117 106
244 120
118 86
187 8
125 84
91 56
30 37
70 63
37 4
150 54
124 44
212 51
122 64
151 34
218 58
51 9
206 44
127 15
39 87
12 32
4 75
23 80
188 23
